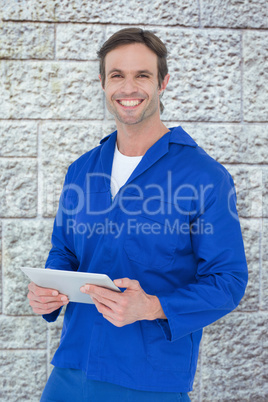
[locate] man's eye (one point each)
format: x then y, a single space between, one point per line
143 76
116 76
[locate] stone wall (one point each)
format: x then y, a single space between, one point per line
52 111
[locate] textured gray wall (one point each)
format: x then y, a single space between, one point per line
52 111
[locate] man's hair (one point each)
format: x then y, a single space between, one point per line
136 35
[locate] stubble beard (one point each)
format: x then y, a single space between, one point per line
131 120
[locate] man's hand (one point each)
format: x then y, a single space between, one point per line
45 301
127 307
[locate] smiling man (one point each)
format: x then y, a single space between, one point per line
132 91
178 256
132 94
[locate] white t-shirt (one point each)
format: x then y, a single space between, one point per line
122 168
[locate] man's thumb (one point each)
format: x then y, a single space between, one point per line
127 283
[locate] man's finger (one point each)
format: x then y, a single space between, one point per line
127 283
110 304
113 321
107 313
47 299
47 306
98 291
39 291
42 311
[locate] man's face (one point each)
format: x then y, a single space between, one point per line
131 83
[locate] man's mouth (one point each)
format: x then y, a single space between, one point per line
130 102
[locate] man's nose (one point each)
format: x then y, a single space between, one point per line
129 85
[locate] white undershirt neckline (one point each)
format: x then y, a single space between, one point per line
122 168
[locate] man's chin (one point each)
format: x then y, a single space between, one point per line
128 122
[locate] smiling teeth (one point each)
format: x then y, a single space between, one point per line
130 103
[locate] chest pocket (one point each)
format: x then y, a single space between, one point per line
152 239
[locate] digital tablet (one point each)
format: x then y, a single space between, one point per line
69 282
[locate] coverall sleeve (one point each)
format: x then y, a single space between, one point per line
221 275
62 254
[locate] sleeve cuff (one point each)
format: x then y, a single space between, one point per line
52 316
165 324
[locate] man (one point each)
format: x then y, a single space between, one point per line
162 223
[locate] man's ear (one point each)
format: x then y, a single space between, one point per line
101 81
164 83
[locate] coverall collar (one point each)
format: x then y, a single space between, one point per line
161 147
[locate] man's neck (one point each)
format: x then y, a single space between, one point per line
136 139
